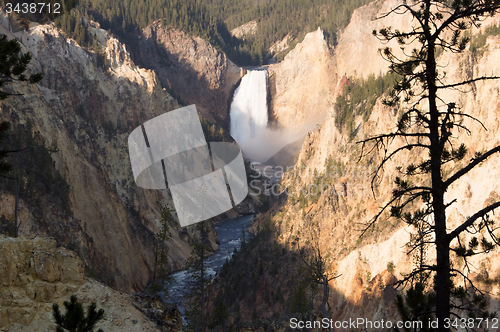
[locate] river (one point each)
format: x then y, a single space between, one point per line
229 233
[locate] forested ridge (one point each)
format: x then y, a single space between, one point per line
213 19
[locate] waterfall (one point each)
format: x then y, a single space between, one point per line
248 115
249 109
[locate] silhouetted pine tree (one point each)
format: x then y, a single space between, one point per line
13 65
75 319
198 280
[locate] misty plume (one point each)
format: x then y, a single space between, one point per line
249 120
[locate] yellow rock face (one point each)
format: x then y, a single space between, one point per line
35 273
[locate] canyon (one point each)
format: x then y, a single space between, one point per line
36 273
190 68
86 112
333 218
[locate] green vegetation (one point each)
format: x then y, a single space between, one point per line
213 131
5 167
161 277
322 183
478 42
13 65
430 124
416 306
419 301
198 279
36 167
219 316
266 272
212 20
75 27
276 19
75 320
358 98
299 303
390 267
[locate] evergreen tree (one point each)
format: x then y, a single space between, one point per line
430 123
5 167
198 279
298 299
219 315
213 19
416 306
161 278
220 136
75 320
317 269
13 65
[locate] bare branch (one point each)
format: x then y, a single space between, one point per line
482 78
481 213
414 196
471 165
414 273
393 135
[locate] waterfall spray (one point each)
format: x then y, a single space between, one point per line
249 118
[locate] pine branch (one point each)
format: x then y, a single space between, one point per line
481 213
482 78
469 167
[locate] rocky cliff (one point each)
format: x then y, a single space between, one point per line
305 84
329 192
84 110
80 116
35 273
310 64
192 69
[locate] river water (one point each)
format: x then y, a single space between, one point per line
229 233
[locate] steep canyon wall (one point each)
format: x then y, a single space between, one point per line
82 112
307 83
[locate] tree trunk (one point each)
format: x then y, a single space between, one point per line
442 285
326 291
202 258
